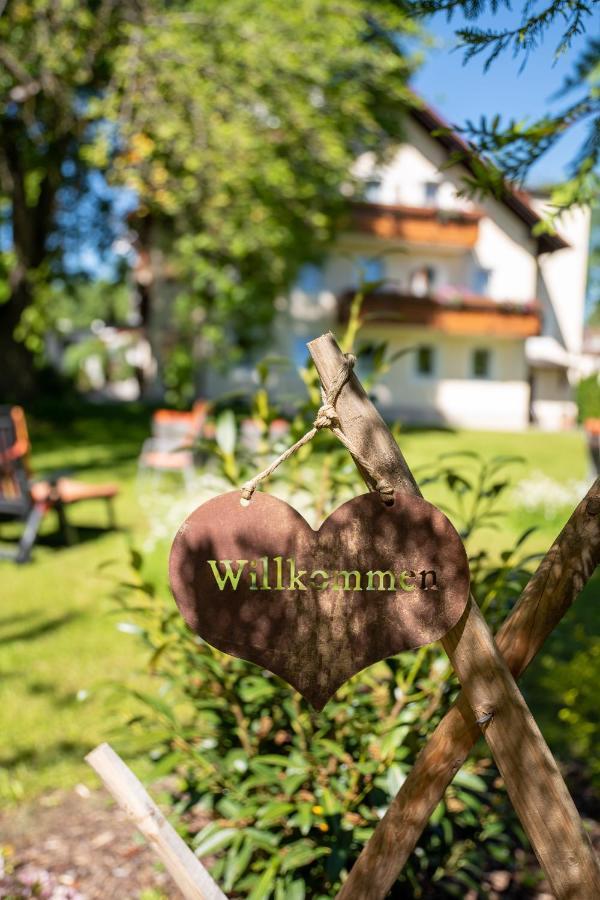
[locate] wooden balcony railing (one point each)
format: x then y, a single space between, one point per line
468 315
417 225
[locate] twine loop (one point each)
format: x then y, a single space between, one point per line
326 417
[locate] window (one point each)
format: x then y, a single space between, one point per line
481 363
371 269
425 361
481 280
365 360
422 281
310 279
373 189
431 191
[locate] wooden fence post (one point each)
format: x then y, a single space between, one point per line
561 575
187 871
532 778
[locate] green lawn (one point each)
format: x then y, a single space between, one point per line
561 457
61 653
63 659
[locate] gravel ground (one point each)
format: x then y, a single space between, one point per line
79 846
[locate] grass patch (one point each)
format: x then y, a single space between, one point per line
61 657
561 457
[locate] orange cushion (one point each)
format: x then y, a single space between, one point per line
592 426
161 459
68 491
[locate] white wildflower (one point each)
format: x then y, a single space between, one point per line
540 493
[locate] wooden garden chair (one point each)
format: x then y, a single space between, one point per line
24 498
171 447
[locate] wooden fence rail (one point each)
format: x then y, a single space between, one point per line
187 871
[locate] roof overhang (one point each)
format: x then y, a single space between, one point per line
516 200
545 352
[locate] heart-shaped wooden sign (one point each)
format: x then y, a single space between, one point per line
316 607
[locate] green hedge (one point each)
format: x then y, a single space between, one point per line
588 398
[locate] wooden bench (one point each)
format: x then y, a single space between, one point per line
27 499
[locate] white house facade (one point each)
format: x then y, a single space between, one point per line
490 314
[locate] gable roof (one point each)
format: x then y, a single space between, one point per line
518 201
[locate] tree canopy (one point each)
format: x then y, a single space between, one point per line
54 56
235 124
237 127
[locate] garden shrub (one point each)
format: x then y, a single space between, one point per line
588 398
282 798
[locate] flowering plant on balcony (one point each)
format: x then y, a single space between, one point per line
520 306
451 214
453 295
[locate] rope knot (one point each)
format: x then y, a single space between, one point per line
326 416
385 490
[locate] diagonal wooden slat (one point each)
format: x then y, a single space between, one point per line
560 577
187 871
533 780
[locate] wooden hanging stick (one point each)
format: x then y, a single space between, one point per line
187 871
560 577
532 778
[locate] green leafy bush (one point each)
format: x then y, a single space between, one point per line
562 688
282 798
588 398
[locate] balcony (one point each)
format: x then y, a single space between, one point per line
417 225
451 313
